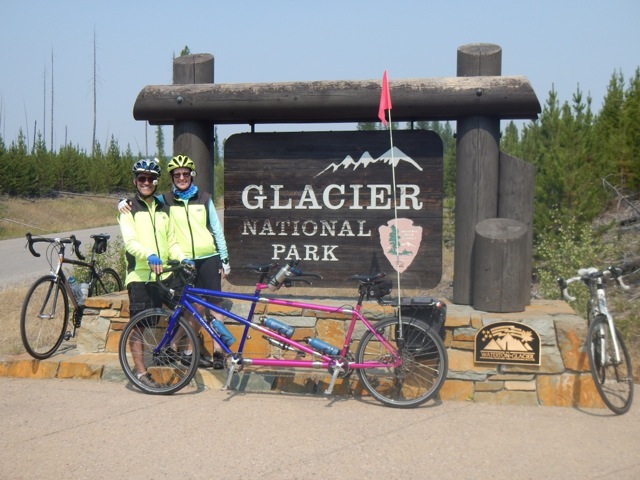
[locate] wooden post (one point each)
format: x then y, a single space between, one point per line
195 138
498 272
476 168
516 195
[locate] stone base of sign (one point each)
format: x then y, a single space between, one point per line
562 378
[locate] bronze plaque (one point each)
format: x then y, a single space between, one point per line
327 199
507 342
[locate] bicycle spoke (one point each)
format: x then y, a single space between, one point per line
612 376
44 318
106 282
423 368
169 368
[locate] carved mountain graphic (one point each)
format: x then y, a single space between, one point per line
392 157
507 343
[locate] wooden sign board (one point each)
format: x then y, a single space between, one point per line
327 199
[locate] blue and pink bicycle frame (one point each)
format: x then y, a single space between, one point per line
191 295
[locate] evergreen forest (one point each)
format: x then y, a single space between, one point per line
586 163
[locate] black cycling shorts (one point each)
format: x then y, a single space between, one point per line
209 275
143 296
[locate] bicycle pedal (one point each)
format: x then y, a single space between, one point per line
67 336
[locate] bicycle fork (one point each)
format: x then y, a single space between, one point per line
602 306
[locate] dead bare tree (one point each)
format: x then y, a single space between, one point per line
44 101
95 80
51 123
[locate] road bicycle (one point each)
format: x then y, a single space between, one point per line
609 359
44 319
401 360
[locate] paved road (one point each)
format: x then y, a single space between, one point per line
79 429
19 266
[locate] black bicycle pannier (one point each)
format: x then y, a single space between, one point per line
427 309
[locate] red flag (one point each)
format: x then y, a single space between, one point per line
385 99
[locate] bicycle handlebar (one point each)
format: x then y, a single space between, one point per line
71 240
267 270
587 275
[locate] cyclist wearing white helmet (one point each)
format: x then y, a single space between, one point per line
148 237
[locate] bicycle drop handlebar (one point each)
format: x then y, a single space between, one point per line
71 240
587 275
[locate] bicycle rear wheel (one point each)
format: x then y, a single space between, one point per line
422 371
106 281
614 380
168 368
44 317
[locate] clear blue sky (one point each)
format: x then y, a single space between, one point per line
561 43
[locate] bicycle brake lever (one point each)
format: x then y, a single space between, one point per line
30 244
617 275
564 292
76 247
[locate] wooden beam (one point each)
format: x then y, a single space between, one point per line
338 101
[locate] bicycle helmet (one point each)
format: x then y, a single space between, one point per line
181 161
146 166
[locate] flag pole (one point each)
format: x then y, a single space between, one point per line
395 209
385 104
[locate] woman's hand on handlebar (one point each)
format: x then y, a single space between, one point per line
155 264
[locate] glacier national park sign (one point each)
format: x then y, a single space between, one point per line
327 198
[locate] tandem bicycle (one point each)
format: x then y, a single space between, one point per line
401 361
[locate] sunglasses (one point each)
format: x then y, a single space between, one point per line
181 174
145 179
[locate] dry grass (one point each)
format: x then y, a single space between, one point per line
11 301
60 214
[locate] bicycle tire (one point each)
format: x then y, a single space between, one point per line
423 369
613 382
105 281
591 311
43 319
169 370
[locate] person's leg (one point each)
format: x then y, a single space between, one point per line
209 278
140 298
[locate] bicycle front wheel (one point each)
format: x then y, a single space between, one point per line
613 377
166 369
423 367
44 317
106 281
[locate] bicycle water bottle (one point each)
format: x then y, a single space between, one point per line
279 327
276 282
84 289
75 288
322 346
223 332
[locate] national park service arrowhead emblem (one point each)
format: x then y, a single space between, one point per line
400 241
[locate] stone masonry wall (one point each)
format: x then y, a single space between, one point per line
562 379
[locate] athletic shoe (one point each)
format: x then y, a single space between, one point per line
202 361
218 360
148 381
